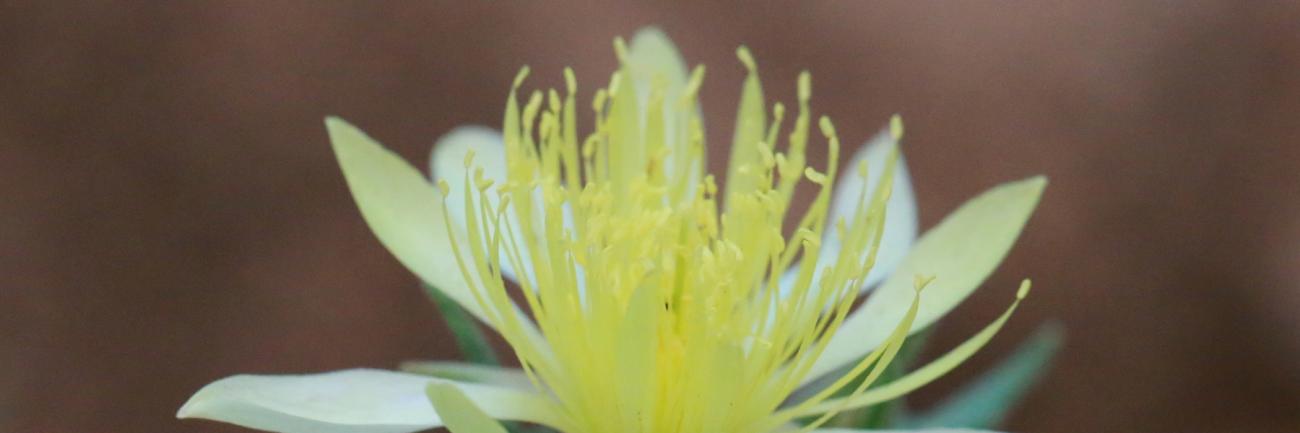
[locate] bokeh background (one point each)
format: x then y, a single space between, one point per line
171 213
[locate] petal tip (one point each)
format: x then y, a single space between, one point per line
650 32
197 405
335 123
1035 185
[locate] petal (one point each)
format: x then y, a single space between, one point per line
960 252
459 413
405 212
447 163
900 214
751 121
402 208
651 56
472 373
348 401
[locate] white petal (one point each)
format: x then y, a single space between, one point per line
350 401
447 163
652 54
405 212
900 212
960 252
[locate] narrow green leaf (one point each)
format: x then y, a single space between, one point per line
985 402
470 340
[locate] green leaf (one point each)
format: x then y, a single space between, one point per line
470 339
985 402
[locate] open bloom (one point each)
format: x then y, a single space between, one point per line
655 300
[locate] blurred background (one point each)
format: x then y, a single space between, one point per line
171 212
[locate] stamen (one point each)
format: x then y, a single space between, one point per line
619 241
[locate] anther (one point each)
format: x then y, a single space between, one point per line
747 58
693 85
620 48
553 100
570 81
469 158
519 78
805 86
828 128
598 102
814 176
896 127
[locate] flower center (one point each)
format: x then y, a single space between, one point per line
659 301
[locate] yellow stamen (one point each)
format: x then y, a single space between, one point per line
661 309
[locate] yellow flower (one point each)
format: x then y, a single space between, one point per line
659 302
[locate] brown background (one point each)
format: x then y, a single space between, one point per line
170 211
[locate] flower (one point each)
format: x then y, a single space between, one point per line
659 302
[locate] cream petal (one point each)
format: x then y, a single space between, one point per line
960 252
351 401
